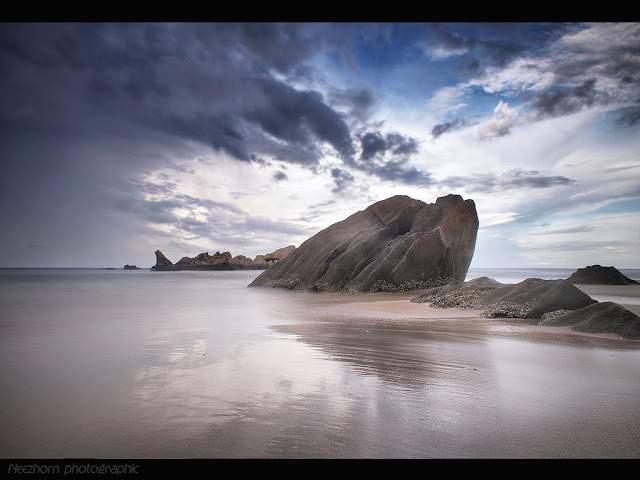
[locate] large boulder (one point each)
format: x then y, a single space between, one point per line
605 317
396 244
596 274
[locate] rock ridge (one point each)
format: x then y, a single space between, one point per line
221 261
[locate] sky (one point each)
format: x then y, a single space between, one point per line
118 139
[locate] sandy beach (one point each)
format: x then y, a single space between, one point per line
396 308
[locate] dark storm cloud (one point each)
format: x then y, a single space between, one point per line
268 42
475 47
279 176
372 143
401 145
443 128
398 171
358 101
341 178
299 117
218 131
563 101
387 157
514 179
611 51
593 65
629 116
212 83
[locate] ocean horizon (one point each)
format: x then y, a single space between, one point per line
502 274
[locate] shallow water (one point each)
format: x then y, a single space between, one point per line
138 364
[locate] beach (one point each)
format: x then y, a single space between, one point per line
397 308
139 364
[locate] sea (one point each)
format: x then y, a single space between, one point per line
120 364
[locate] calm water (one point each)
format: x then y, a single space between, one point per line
137 364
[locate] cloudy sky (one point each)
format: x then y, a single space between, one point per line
119 139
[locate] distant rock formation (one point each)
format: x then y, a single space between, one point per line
530 298
220 261
396 244
596 274
217 261
604 317
162 261
262 262
131 267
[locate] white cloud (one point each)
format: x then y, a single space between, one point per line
519 76
440 52
447 100
503 119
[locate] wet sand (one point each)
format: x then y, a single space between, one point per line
397 308
280 374
481 387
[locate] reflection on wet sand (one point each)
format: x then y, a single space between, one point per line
397 355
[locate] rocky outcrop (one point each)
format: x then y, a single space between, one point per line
204 260
221 261
161 260
554 302
596 274
131 267
604 317
262 262
464 295
396 244
530 298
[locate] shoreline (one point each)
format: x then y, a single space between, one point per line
396 309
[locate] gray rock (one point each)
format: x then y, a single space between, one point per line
464 295
601 317
396 244
204 260
161 260
219 261
596 274
531 298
